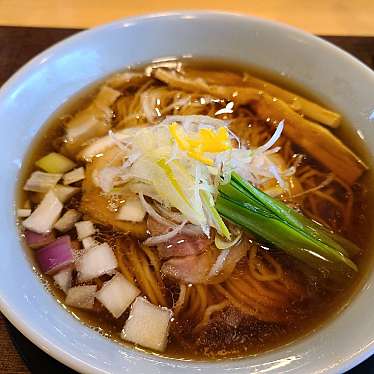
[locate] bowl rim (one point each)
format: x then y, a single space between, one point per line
13 315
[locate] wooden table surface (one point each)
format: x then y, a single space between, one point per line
328 17
10 360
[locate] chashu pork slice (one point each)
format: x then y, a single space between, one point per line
95 203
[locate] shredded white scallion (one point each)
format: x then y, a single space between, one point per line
155 240
152 212
154 164
273 139
220 262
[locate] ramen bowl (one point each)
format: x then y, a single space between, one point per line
35 92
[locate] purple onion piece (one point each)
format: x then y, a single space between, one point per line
55 256
35 240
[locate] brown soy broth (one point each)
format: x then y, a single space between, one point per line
256 337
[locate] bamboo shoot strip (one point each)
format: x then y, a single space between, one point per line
298 103
226 83
240 95
313 138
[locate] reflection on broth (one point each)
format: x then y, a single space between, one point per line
196 211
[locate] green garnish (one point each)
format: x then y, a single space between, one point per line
280 225
55 163
217 221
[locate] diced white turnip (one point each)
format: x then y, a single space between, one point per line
65 193
23 213
73 176
89 242
45 215
147 325
132 210
81 297
41 182
85 229
95 262
117 294
67 221
55 256
63 278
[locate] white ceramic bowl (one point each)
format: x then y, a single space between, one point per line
39 88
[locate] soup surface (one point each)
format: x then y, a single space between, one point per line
140 180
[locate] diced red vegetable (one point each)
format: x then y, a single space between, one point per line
55 256
35 240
